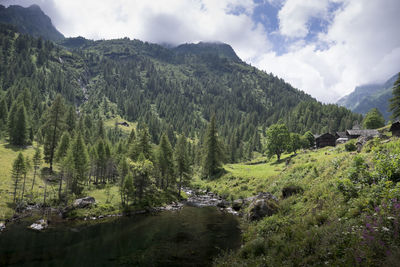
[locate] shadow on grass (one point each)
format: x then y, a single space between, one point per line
287 159
15 148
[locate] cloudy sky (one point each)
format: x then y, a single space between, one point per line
324 47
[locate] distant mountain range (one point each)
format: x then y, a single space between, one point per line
369 96
30 20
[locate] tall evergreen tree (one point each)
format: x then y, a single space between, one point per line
165 162
213 152
395 100
78 164
17 172
3 114
61 153
37 161
70 119
20 131
181 162
53 129
141 145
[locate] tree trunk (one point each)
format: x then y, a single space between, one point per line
23 188
60 186
33 182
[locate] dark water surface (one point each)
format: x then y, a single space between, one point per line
189 237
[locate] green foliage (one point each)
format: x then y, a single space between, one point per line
18 170
350 145
295 142
278 139
53 128
395 100
309 139
387 161
213 152
182 164
373 119
165 163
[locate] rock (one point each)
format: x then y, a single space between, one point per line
2 226
237 204
265 204
223 204
39 225
84 202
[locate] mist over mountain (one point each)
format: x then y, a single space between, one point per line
369 96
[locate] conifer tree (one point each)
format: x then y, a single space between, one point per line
141 145
165 162
20 132
213 154
53 128
78 163
37 161
26 169
17 172
61 153
395 100
71 119
3 114
181 162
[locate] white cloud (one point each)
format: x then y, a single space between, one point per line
364 48
295 14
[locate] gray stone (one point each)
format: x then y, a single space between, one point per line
2 226
39 225
264 204
237 204
85 202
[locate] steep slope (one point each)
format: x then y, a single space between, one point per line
30 20
370 96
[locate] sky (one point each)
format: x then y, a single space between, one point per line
323 47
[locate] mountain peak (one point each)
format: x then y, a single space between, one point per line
30 20
214 48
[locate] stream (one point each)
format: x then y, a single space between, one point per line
190 236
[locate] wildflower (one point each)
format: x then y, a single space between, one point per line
385 229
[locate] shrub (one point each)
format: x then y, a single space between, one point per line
351 145
290 190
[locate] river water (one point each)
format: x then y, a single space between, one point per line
191 236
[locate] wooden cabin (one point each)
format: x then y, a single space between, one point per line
324 140
395 128
353 134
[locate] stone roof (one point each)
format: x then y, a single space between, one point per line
341 134
362 132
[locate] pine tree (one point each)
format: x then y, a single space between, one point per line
395 100
20 132
181 162
17 172
26 169
37 161
3 114
61 153
213 154
165 162
53 128
78 164
71 119
100 160
123 170
141 145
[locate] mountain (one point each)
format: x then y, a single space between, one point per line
369 96
30 20
170 90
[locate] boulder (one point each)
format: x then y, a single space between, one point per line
2 226
265 204
39 225
223 204
85 202
237 204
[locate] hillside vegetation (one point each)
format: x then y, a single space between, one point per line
343 208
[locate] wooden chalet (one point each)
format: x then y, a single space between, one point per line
395 128
353 134
324 140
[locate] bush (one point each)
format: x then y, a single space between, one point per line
290 190
351 145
